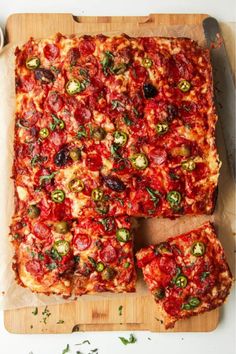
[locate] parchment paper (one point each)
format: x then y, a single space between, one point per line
152 230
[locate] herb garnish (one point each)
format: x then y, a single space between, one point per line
60 321
84 342
114 150
116 104
204 275
46 314
92 261
47 178
56 122
37 159
131 339
154 194
120 308
35 311
81 132
66 350
128 121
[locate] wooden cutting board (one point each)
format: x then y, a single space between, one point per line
139 310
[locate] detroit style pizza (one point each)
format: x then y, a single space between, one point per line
106 128
187 275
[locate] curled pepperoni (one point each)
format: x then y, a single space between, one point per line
93 161
55 101
81 242
51 51
158 156
138 73
172 305
41 230
108 254
167 265
82 115
34 267
86 46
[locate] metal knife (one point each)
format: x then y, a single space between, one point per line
224 87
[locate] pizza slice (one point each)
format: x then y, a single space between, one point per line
187 275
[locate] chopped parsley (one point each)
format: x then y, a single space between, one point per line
47 178
154 195
60 321
66 350
35 311
204 275
128 121
120 308
81 132
84 342
46 314
126 341
51 266
116 104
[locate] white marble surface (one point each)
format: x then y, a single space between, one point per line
220 341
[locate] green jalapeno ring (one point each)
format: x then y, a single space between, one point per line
162 128
147 63
62 247
73 86
123 234
139 161
44 133
198 249
100 267
181 281
97 194
58 196
61 124
188 165
120 138
174 198
184 85
76 185
61 227
32 63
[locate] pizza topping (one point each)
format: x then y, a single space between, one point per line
94 161
62 157
162 128
109 273
82 242
138 73
192 303
198 249
32 63
139 161
114 183
172 305
147 62
97 194
58 196
120 138
98 133
174 198
181 281
149 90
182 150
41 230
44 133
75 154
33 211
108 224
100 267
154 195
44 75
61 227
107 62
55 101
159 293
102 207
62 247
163 249
108 254
76 185
158 155
51 51
123 235
34 267
74 86
57 123
188 165
184 85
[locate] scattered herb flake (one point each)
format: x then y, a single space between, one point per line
81 132
84 342
204 275
47 178
158 320
154 195
94 351
126 341
60 321
128 121
46 314
66 350
120 308
35 311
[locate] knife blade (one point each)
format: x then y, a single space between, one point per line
224 87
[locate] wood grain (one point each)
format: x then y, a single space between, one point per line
139 310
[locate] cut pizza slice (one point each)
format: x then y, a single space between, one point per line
187 275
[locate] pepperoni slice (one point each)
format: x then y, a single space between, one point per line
138 73
41 230
82 115
73 56
86 47
27 83
149 44
172 305
158 156
108 254
93 162
167 265
57 138
81 242
34 267
51 51
55 101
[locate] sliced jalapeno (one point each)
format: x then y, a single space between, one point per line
126 264
198 249
98 133
181 281
100 267
188 165
44 133
162 128
184 85
97 194
147 62
61 124
73 86
76 185
33 211
61 227
139 161
159 293
120 138
174 198
32 63
62 247
123 234
75 154
58 196
194 301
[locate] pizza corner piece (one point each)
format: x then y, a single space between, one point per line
187 275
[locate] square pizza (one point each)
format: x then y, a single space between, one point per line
187 274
